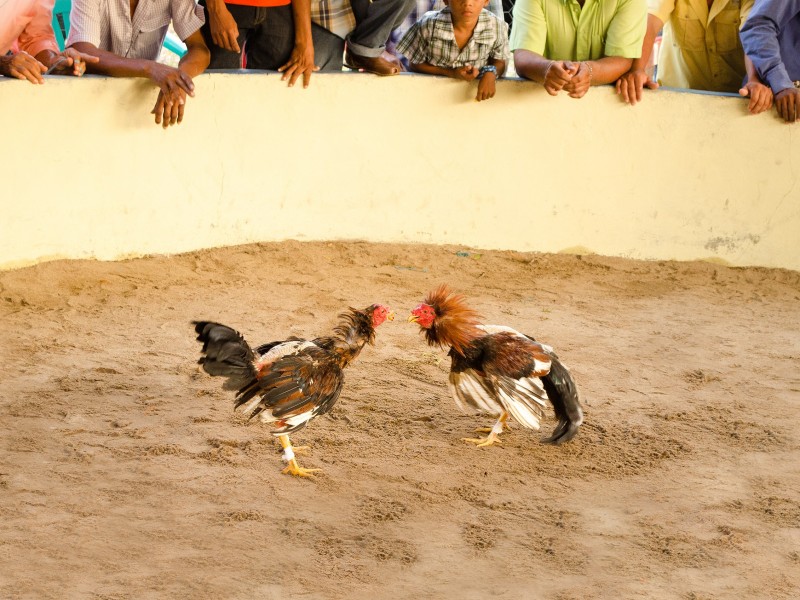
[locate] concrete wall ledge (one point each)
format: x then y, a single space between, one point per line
86 173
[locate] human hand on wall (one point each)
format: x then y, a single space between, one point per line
631 84
557 75
22 66
174 86
760 96
486 86
788 104
301 62
581 81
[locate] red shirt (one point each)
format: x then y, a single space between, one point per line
259 3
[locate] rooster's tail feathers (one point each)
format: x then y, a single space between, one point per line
225 354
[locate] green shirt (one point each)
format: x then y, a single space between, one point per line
561 30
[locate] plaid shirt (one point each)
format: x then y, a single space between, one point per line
334 15
433 41
422 6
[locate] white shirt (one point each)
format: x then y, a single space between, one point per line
107 24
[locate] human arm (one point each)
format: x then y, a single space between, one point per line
224 30
301 61
788 104
168 110
760 95
486 84
552 74
465 73
39 51
22 66
631 84
596 72
759 36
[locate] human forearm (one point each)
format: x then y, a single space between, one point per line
115 66
430 69
608 69
500 65
654 25
301 11
531 65
759 36
197 56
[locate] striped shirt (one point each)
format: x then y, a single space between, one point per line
107 24
334 15
433 41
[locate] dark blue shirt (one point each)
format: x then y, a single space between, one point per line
771 39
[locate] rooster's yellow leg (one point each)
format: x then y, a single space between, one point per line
494 432
292 468
503 419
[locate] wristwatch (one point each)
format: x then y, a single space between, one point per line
487 69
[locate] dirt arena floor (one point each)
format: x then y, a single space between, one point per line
125 473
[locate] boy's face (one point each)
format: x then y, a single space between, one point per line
466 9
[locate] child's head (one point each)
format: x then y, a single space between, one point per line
466 9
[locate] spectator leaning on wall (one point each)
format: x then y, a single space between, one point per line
418 11
128 47
463 41
700 51
771 39
272 32
275 35
26 31
572 45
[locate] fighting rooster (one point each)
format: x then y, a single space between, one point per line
498 370
288 383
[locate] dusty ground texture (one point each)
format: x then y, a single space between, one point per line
124 472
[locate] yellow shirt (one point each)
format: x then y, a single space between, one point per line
562 30
701 48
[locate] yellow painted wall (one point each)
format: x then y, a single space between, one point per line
86 173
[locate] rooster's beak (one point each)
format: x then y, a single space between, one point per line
390 316
412 318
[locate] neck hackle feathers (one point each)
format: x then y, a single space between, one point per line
455 324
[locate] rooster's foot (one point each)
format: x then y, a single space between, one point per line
489 440
294 469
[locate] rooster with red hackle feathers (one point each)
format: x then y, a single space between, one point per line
498 370
288 383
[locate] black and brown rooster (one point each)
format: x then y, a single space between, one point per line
287 383
498 370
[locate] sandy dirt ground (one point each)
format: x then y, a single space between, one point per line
125 473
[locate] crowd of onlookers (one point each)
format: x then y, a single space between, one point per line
747 46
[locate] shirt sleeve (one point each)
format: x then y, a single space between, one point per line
85 23
38 34
627 29
500 49
187 17
744 11
414 45
530 27
661 9
759 36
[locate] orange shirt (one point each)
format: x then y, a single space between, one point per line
27 25
260 3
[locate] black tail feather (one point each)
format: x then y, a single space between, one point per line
225 354
563 394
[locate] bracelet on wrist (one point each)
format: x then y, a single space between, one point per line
547 70
487 69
